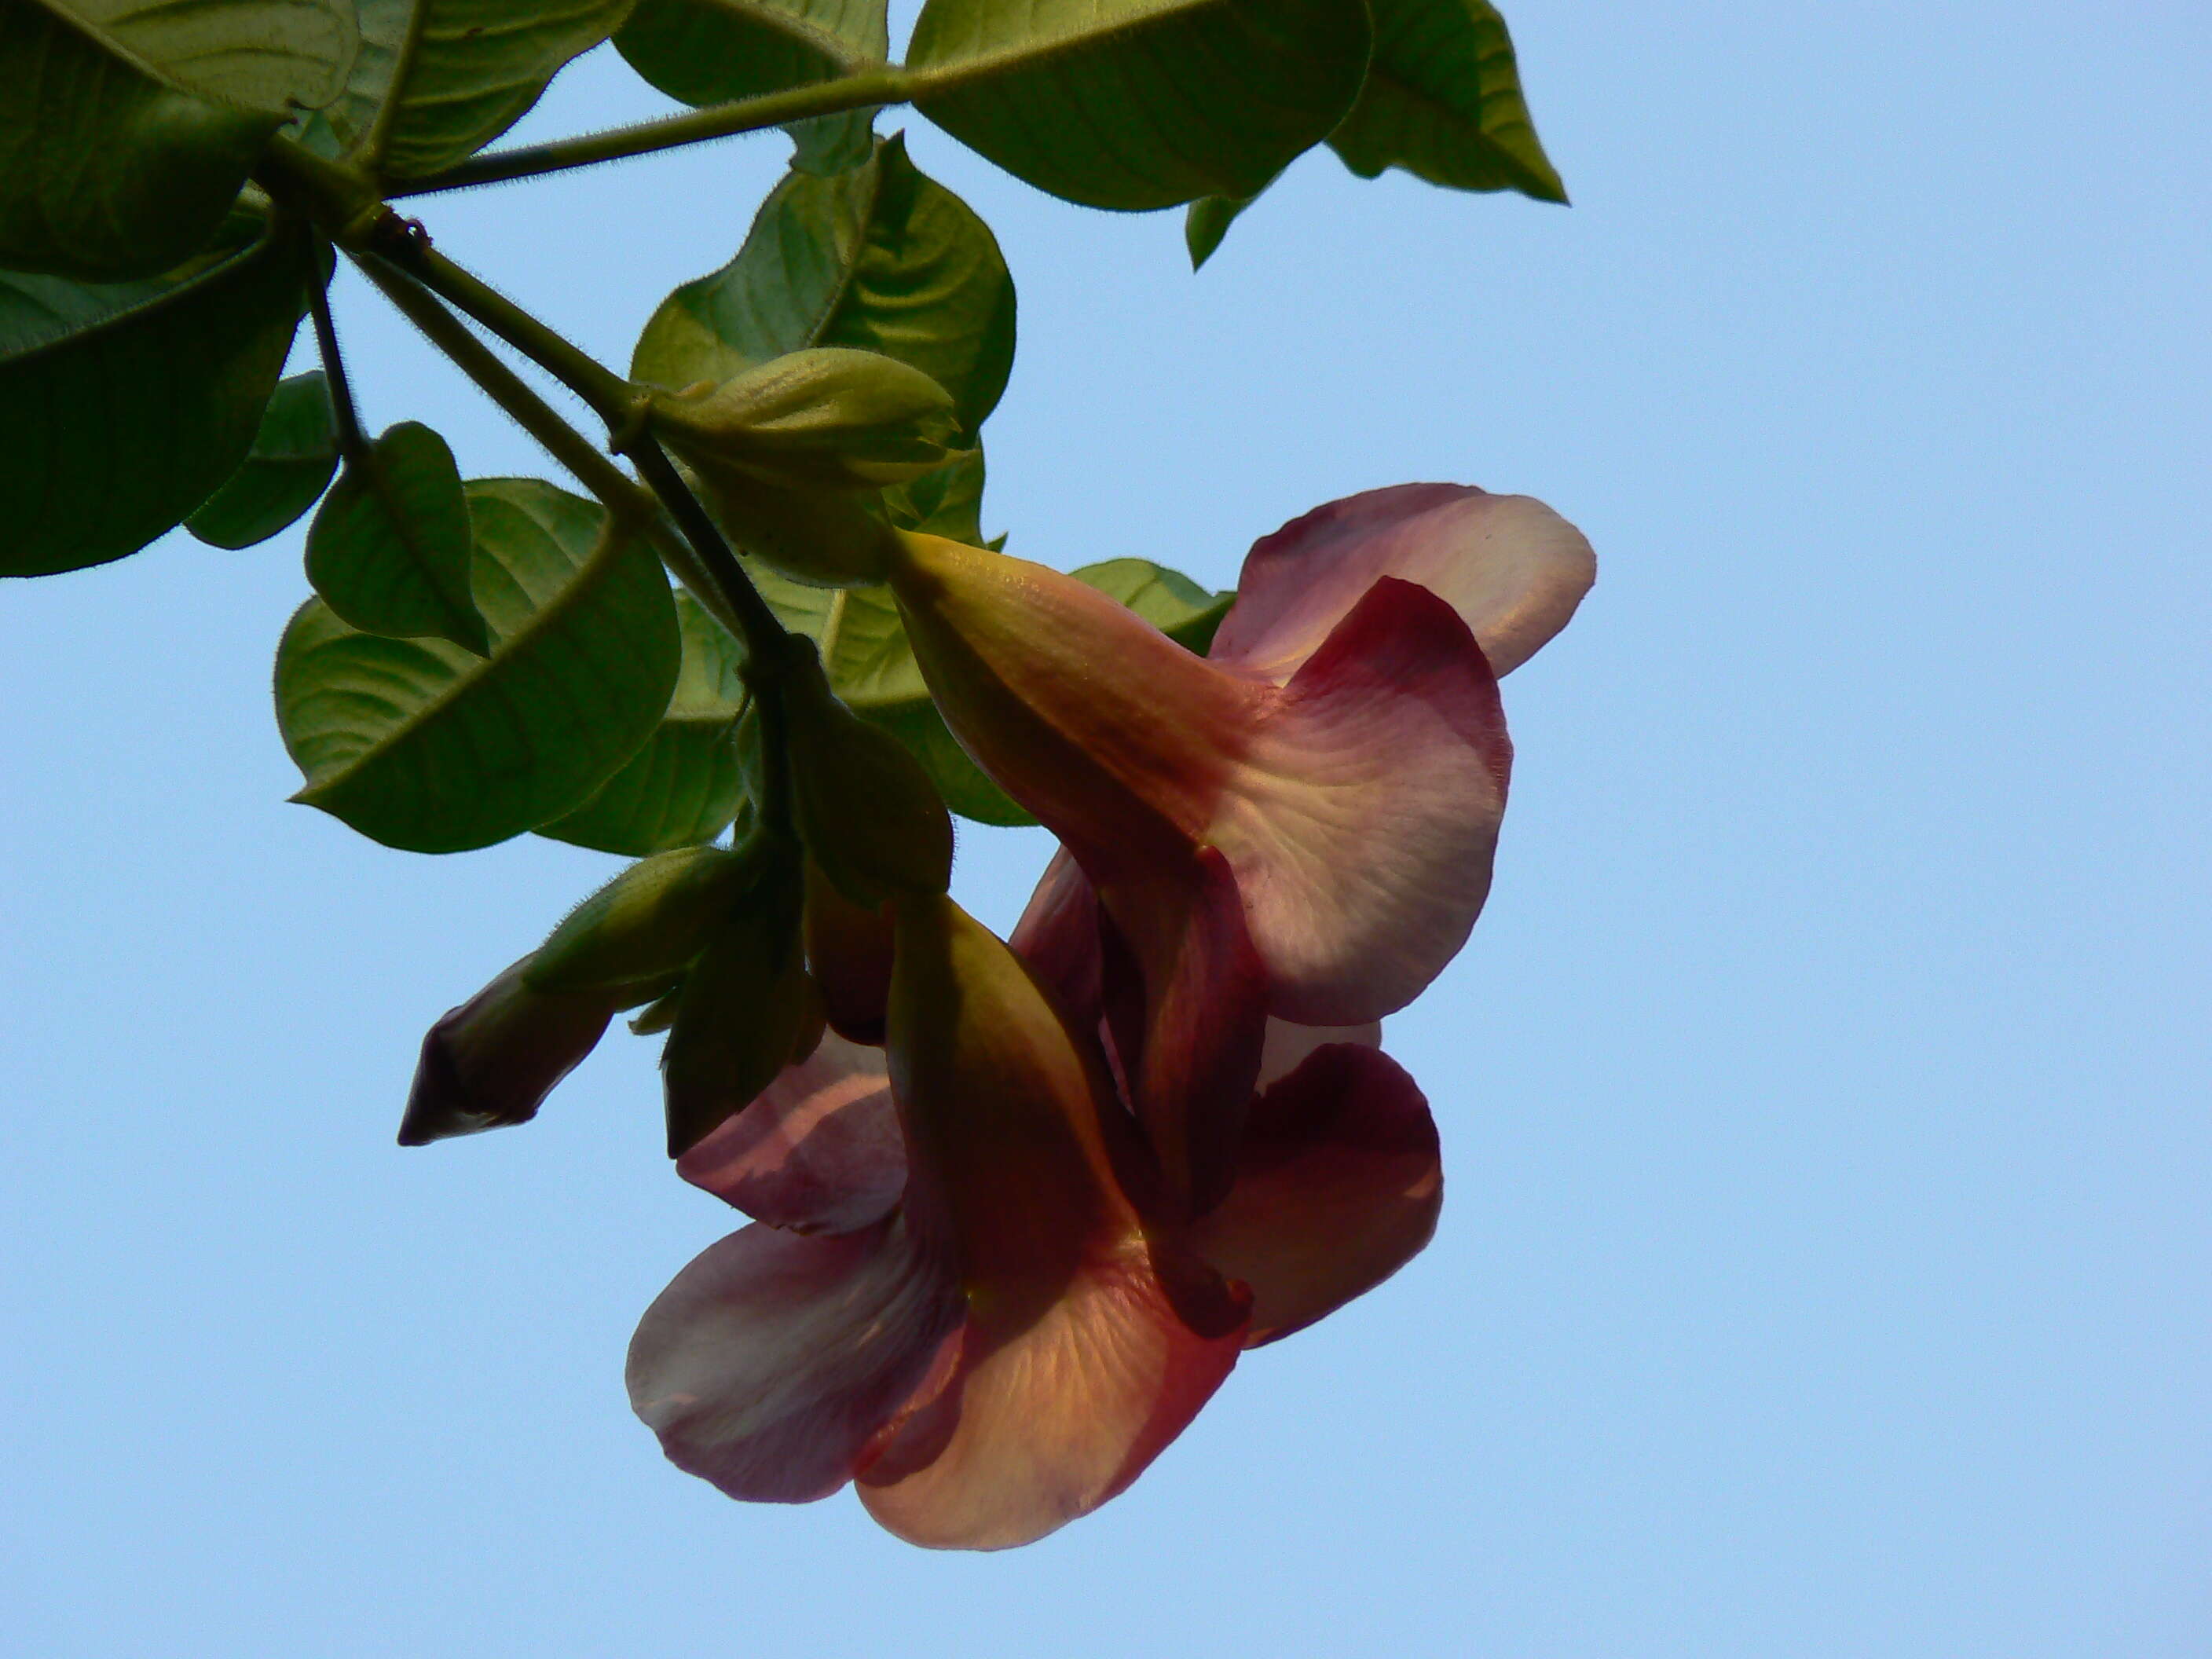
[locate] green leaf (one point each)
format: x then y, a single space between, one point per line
419 745
1207 221
390 552
948 502
685 786
882 258
108 171
714 51
1140 104
1443 100
292 457
1171 601
124 405
477 67
872 667
344 122
275 56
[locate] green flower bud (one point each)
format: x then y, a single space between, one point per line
827 418
645 924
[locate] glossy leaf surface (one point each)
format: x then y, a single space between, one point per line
290 463
421 746
685 786
882 258
1443 100
124 405
1138 104
710 52
107 171
390 552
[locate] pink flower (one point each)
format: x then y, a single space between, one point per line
1300 826
992 1346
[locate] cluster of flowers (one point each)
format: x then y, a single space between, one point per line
1018 1205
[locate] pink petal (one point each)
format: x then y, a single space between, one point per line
1187 999
1337 1187
1362 821
1044 1423
1286 1046
848 952
774 1361
818 1151
1058 937
1511 567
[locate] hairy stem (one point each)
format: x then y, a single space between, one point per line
622 494
883 86
757 625
351 440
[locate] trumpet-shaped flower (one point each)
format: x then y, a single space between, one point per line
1004 1348
1300 826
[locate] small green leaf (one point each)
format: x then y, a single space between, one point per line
124 405
714 51
739 1014
1207 221
419 745
275 56
108 171
948 502
1171 601
685 786
1138 104
390 552
344 122
292 457
1443 100
477 67
882 258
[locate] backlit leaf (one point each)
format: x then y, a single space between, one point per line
275 56
124 405
1140 104
882 258
292 457
390 551
1171 601
1443 100
108 171
683 787
420 744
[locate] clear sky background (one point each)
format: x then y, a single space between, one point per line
1828 1249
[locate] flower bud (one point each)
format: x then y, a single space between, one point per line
868 813
647 923
745 1008
848 952
827 418
492 1061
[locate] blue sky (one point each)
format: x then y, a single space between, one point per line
1826 1256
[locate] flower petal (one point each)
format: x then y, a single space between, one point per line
1286 1046
1511 567
775 1361
1362 821
818 1151
1058 937
1042 1424
1186 997
1337 1187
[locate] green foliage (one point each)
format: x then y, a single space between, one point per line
683 787
1138 104
290 463
881 258
1168 599
108 171
124 405
648 923
739 1014
947 502
1207 221
270 55
390 552
1443 100
709 51
476 68
422 745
